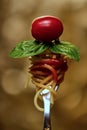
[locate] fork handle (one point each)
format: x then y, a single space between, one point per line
47 118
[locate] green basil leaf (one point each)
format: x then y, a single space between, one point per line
27 48
67 49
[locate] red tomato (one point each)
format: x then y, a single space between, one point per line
46 28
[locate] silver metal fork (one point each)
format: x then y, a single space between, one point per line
46 96
46 100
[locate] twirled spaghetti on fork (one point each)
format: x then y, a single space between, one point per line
47 71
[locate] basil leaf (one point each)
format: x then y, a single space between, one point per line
67 49
27 48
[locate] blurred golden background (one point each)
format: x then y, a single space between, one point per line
17 111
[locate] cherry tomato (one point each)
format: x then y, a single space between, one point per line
46 28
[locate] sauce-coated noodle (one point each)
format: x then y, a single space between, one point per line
47 73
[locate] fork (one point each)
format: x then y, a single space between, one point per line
46 96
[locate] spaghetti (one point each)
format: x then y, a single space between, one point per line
47 72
